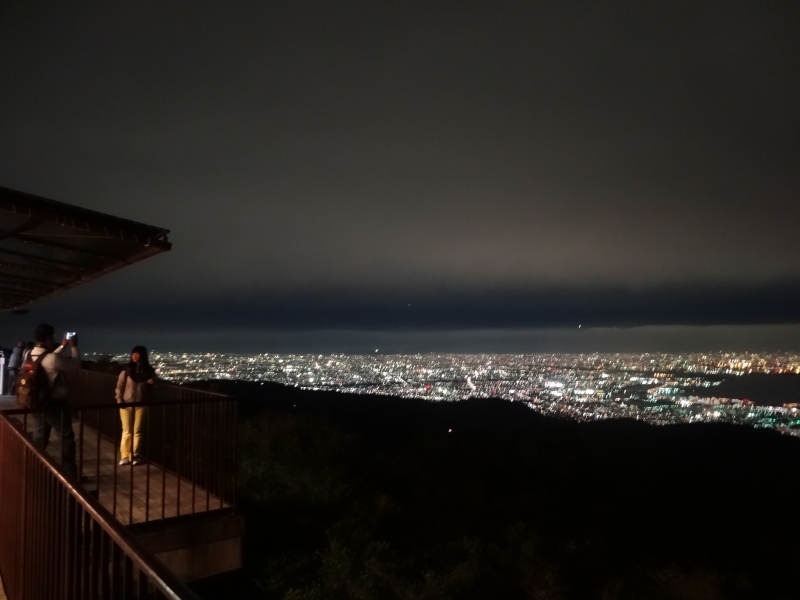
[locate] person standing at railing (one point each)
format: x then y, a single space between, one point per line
53 402
135 384
14 363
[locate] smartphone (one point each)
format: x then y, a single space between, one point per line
69 334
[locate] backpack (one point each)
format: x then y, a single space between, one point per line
33 386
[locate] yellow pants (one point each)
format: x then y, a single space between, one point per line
132 423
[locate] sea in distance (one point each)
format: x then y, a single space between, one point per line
759 390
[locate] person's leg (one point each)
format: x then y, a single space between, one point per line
138 425
41 431
12 381
61 420
125 443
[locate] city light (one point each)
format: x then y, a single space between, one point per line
656 388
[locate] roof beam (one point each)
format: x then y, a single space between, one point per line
22 236
41 260
31 271
31 280
27 225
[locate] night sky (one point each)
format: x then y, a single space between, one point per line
412 176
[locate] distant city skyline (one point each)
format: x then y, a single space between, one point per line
658 388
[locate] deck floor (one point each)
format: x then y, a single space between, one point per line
133 493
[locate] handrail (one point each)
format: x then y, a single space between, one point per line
54 534
163 383
111 405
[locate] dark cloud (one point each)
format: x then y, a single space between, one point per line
105 304
323 165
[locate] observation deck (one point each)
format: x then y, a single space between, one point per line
107 531
175 512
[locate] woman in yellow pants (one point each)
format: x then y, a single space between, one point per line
134 385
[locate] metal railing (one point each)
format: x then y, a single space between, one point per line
93 388
58 541
186 451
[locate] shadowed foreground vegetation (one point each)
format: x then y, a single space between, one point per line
370 497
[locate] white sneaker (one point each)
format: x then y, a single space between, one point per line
138 461
124 461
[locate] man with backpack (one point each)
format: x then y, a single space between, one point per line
42 387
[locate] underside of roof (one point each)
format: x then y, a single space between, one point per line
47 247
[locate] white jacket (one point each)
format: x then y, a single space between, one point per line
56 362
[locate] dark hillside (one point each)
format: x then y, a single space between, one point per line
372 497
